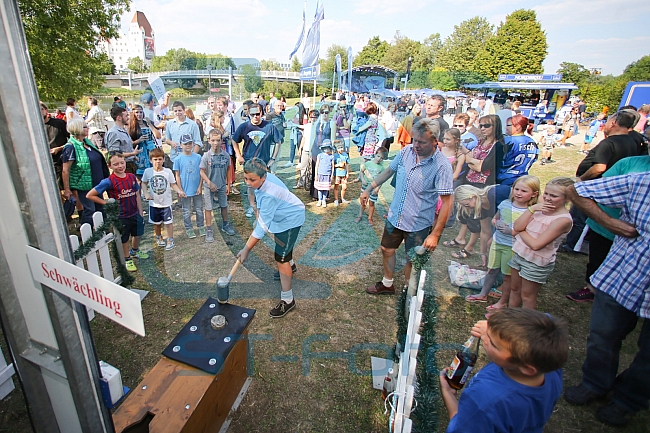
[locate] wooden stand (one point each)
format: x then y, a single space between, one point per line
178 398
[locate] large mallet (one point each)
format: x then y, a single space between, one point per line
223 284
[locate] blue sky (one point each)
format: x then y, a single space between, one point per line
607 34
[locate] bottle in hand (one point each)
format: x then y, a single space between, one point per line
463 363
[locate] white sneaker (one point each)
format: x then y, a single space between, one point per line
324 203
297 186
288 164
336 202
344 201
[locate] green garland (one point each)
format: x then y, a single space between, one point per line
112 220
425 415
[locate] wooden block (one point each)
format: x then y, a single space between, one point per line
172 386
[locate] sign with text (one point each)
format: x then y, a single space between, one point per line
157 87
530 77
107 298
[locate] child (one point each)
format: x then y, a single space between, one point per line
367 173
123 187
281 214
549 140
188 178
341 169
517 391
214 170
160 209
476 207
525 192
591 132
451 148
538 234
370 142
324 170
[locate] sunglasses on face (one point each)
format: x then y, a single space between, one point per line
484 125
255 114
459 126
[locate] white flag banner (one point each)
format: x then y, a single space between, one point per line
157 87
338 70
309 69
302 33
349 69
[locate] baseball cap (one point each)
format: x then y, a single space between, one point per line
326 143
186 138
146 98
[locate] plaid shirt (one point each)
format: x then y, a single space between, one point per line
625 274
417 189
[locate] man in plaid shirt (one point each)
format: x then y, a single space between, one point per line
622 296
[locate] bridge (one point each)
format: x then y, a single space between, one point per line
142 80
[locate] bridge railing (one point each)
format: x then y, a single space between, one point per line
204 73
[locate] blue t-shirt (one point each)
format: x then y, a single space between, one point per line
325 163
257 139
341 158
493 402
594 127
522 153
189 169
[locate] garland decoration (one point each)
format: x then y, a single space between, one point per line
112 221
425 414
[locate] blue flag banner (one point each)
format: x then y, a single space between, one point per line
349 69
338 69
309 69
302 33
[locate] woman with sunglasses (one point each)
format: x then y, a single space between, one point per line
144 135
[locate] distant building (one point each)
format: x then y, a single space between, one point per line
139 41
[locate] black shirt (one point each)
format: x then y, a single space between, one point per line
57 136
444 126
609 152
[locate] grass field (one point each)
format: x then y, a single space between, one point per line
308 372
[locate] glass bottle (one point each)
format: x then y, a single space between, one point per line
463 363
389 384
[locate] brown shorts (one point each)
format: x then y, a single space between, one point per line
393 237
340 180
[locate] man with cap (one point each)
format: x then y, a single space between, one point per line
147 105
258 136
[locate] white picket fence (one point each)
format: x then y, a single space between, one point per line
401 400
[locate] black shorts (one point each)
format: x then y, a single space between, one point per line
159 215
393 237
284 243
132 226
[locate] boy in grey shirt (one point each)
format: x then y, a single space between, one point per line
214 167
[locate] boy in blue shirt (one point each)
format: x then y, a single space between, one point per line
188 178
214 168
341 170
518 390
594 126
280 214
123 187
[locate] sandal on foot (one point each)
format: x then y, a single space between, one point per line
462 254
494 293
493 307
452 244
475 298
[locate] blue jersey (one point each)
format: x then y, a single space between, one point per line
522 153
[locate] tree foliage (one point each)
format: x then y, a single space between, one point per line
519 47
295 64
427 56
63 38
269 65
252 79
136 64
639 70
328 63
398 52
372 53
441 80
573 73
458 53
183 59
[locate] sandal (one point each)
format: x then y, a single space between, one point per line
493 307
494 293
475 298
462 254
452 244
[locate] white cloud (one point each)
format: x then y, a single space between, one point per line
562 13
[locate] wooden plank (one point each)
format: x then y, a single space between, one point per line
74 243
91 260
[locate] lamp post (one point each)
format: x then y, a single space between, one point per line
209 67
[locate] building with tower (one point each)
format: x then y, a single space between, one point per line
139 41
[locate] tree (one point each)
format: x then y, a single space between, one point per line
441 80
519 47
372 53
459 50
573 73
252 79
136 64
269 65
639 70
328 63
425 59
295 64
64 38
397 54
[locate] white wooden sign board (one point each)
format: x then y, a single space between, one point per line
105 297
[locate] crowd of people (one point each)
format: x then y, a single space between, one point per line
469 175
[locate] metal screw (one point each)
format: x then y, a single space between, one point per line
144 387
244 315
176 348
212 361
226 340
212 305
187 407
43 352
193 328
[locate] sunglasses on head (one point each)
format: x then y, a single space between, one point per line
485 125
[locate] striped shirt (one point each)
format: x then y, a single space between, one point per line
625 273
417 189
124 190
